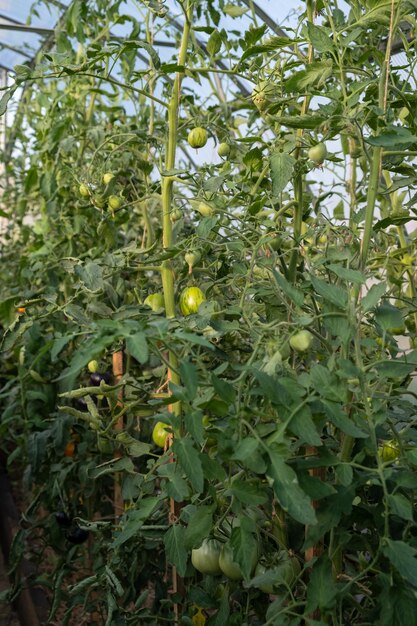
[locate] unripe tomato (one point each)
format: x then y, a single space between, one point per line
99 201
283 574
155 301
92 366
206 558
389 451
115 202
192 257
160 434
301 341
84 191
261 95
107 177
197 137
318 153
223 149
176 215
190 300
205 209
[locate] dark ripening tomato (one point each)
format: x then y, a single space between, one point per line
77 535
96 378
206 558
62 519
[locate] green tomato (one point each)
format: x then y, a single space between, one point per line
206 558
389 451
197 137
176 215
190 300
92 366
115 202
192 257
205 209
155 301
84 190
283 574
301 341
223 149
318 153
229 567
107 177
160 434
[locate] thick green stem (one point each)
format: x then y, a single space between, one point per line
168 181
298 178
370 204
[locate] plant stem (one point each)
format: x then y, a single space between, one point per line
298 178
167 184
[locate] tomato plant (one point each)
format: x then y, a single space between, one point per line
217 343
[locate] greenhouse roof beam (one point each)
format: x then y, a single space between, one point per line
7 46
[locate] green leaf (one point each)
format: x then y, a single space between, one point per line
233 10
288 491
282 168
403 558
294 294
133 446
5 100
174 541
388 316
393 137
190 461
401 506
175 486
373 296
214 43
321 590
223 389
315 488
344 474
330 293
394 368
135 520
92 276
248 492
189 377
112 467
338 417
326 383
245 549
352 276
319 36
199 526
137 347
304 427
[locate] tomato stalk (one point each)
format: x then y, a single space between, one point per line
166 269
298 181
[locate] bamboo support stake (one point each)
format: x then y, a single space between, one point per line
117 375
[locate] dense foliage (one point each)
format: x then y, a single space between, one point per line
259 417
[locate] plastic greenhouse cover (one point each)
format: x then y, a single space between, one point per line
17 47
